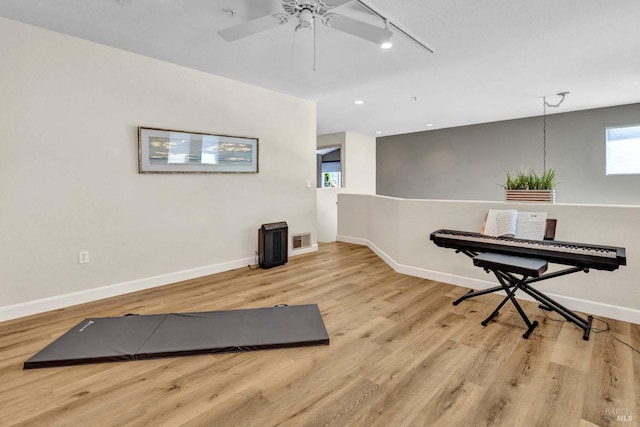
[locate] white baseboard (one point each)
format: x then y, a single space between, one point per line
300 251
61 301
584 306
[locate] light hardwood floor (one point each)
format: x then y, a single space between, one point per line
400 355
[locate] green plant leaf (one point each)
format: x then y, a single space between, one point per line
530 180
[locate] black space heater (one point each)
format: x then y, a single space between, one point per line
272 244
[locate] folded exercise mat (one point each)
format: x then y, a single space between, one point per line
132 337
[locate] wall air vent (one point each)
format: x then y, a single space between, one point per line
301 241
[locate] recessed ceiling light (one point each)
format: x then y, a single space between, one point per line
358 102
429 125
378 132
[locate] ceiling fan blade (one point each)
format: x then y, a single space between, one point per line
359 29
335 3
252 27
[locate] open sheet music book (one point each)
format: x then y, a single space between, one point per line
511 223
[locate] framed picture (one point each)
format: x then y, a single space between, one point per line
173 151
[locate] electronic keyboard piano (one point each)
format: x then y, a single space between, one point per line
568 253
515 257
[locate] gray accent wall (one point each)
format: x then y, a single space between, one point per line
469 163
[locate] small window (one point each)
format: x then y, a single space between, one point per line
330 167
331 180
623 150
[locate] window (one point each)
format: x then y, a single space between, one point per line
331 180
330 167
623 150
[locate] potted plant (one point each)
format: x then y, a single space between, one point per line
528 186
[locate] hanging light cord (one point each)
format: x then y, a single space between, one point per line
545 104
544 135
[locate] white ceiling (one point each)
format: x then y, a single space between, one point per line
493 60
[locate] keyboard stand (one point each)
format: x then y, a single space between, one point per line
531 270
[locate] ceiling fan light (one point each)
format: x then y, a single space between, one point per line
306 18
386 44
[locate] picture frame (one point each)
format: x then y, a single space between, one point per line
174 151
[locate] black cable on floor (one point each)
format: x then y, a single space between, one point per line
597 331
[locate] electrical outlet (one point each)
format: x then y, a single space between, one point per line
83 257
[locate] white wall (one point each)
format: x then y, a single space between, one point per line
359 170
69 111
360 151
399 229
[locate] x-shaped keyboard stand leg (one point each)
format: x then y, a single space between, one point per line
508 282
511 288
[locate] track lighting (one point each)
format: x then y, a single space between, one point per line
386 44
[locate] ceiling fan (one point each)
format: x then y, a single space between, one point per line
307 13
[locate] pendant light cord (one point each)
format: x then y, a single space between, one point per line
545 104
544 135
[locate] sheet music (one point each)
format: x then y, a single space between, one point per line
500 223
531 225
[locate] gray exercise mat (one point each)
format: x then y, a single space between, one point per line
97 340
134 337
